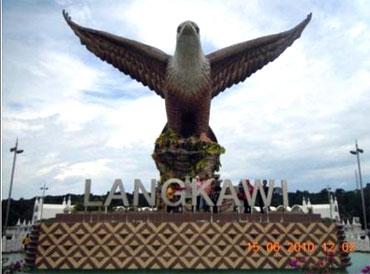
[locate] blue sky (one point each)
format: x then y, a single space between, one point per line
77 117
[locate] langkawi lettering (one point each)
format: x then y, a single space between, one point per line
227 192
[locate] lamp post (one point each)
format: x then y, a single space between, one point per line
357 153
330 203
16 151
356 177
43 188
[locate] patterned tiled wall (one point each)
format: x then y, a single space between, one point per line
186 245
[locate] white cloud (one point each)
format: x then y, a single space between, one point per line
87 169
136 122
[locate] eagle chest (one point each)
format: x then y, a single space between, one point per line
188 83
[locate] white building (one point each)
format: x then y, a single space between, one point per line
330 210
43 211
355 234
12 242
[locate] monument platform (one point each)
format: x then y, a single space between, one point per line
140 240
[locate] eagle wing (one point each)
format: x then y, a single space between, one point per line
234 64
142 62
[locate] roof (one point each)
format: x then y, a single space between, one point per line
320 206
53 206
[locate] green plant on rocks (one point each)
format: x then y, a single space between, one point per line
180 157
168 138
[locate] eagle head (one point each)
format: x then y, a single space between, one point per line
188 28
188 38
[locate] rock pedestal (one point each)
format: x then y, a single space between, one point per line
181 157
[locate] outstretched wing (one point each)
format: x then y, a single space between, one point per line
234 64
142 62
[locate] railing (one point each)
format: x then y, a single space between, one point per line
158 217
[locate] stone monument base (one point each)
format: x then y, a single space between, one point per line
185 241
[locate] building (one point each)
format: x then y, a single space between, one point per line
355 234
12 241
43 211
330 210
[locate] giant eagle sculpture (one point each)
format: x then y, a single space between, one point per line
189 79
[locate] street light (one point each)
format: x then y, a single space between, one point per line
356 177
330 203
43 188
16 151
357 153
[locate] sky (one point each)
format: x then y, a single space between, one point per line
77 117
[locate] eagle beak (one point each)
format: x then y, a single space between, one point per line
188 29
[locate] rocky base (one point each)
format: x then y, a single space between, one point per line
180 157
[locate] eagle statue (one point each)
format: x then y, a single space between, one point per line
189 79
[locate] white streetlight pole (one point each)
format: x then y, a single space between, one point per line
357 153
43 188
15 151
330 203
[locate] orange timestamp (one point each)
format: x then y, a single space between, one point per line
306 247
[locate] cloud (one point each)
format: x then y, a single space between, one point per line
78 117
83 169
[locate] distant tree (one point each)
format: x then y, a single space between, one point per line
339 191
